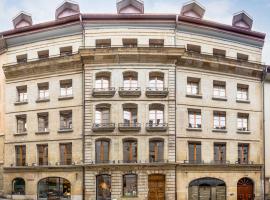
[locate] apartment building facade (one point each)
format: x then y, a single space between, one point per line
133 105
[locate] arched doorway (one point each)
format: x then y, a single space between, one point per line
207 189
18 186
54 188
245 189
103 187
156 187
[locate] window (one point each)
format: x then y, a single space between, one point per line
103 43
194 48
219 89
242 57
103 187
156 151
43 122
130 185
219 52
102 114
194 119
219 120
22 93
66 88
156 80
242 122
18 186
130 151
22 58
20 155
102 151
65 51
220 152
21 124
43 91
65 120
130 42
193 86
130 114
130 80
102 81
43 54
156 114
156 42
194 151
243 153
66 154
42 154
242 92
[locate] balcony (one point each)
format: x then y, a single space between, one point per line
103 127
129 92
156 127
155 92
104 92
128 127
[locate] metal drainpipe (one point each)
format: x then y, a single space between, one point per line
263 170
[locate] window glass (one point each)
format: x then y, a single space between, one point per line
42 154
220 152
156 116
102 116
102 151
103 185
20 155
156 151
219 120
18 186
130 151
194 152
66 154
130 185
243 153
195 119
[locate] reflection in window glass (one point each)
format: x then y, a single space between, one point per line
103 187
130 185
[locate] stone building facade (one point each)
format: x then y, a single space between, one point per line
137 105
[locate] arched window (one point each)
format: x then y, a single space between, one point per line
130 185
103 187
130 79
207 188
130 150
156 150
130 114
103 80
102 151
54 188
18 186
156 114
102 114
156 80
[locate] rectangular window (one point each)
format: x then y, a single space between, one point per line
219 89
156 42
22 58
20 155
66 154
22 94
43 54
130 42
102 151
102 82
130 116
156 151
42 154
219 120
43 122
242 92
195 119
130 151
130 185
102 116
103 43
219 52
65 120
242 57
194 48
65 51
66 88
242 122
193 86
194 150
243 153
21 124
220 152
43 91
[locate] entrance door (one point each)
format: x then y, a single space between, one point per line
103 185
156 185
245 189
205 193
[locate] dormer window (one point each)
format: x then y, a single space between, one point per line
103 43
66 51
156 43
194 48
22 58
130 42
43 54
193 9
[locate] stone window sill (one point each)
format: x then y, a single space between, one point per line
197 96
194 129
242 101
42 132
243 132
20 103
42 100
20 134
65 130
61 98
219 130
219 98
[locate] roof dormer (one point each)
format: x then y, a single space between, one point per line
242 20
193 9
67 8
130 7
23 19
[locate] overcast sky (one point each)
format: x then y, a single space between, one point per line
217 10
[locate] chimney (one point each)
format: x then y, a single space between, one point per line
67 8
23 19
242 20
193 9
130 6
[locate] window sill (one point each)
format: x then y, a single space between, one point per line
242 101
219 98
194 129
42 132
243 132
61 98
42 100
65 130
220 130
20 103
197 96
20 134
129 197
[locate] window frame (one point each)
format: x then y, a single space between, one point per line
197 119
132 157
124 179
43 154
67 159
158 156
102 157
66 118
21 151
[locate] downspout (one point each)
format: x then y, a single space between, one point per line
263 107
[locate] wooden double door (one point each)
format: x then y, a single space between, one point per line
245 189
156 186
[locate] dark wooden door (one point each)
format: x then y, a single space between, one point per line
156 185
204 193
245 189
